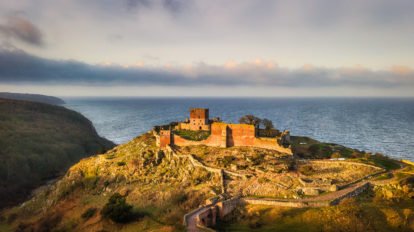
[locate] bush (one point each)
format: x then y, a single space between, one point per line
306 170
336 155
227 160
320 150
258 159
117 209
385 161
121 163
263 180
88 213
290 164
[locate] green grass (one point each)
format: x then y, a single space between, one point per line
193 135
384 162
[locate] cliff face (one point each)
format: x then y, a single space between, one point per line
38 142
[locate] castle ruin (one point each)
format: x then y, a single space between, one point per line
221 134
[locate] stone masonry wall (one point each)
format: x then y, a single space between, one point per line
165 138
227 206
229 135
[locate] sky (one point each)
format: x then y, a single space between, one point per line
207 47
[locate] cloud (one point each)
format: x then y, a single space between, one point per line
19 67
169 5
22 29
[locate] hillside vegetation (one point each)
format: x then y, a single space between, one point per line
138 187
88 197
38 142
388 207
32 97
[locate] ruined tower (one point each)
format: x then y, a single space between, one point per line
199 119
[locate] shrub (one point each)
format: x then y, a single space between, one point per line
227 160
306 170
384 161
290 164
336 155
258 159
49 222
263 180
117 209
12 217
320 150
110 156
88 213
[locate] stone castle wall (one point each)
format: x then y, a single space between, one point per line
164 138
193 126
226 135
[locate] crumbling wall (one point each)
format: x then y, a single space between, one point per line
207 217
240 135
228 135
164 138
227 206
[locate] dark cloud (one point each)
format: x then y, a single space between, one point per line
22 29
16 67
173 5
170 5
132 4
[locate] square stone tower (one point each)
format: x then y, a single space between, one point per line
199 119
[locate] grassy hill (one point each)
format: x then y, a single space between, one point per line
160 191
136 187
38 142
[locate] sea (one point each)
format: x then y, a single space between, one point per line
383 125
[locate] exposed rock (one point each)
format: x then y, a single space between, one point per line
310 191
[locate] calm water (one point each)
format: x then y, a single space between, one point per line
378 125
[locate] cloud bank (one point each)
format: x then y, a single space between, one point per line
22 29
19 67
328 33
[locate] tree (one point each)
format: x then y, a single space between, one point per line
250 119
117 209
267 124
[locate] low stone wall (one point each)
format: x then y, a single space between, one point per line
187 216
329 162
227 206
197 163
282 203
353 193
206 216
322 201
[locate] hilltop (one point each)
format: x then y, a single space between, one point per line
163 186
39 142
32 97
